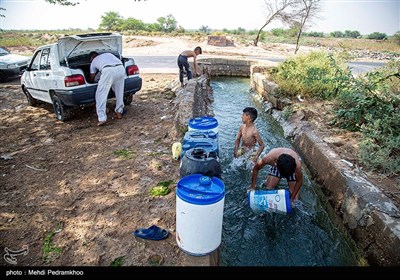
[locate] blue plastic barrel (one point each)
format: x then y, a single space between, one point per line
199 213
207 140
204 123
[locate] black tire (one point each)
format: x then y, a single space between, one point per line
31 101
62 112
128 99
3 77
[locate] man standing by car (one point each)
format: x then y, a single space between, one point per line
112 76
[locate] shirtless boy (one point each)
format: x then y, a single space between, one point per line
248 135
183 63
284 163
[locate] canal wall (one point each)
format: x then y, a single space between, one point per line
371 217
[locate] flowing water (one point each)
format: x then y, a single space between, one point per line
310 236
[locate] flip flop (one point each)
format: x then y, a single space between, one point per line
154 233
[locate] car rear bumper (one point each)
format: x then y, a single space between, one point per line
86 95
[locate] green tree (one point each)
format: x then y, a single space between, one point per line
167 24
111 21
205 29
132 24
337 34
396 37
377 36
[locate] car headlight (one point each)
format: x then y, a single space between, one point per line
17 65
12 66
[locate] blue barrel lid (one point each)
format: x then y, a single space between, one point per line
203 123
199 189
199 134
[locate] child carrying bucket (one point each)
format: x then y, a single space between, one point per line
248 135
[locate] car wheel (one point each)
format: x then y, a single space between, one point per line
61 111
31 101
128 99
3 77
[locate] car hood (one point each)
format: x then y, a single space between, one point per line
74 45
14 58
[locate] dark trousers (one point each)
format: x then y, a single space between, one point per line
184 64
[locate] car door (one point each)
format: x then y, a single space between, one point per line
38 77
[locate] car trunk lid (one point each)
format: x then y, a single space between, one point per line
76 45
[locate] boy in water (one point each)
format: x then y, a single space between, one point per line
248 135
284 162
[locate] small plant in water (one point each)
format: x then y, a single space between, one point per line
161 189
118 261
124 153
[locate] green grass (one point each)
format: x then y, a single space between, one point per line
51 252
118 261
124 153
161 189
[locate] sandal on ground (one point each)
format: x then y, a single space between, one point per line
102 123
154 233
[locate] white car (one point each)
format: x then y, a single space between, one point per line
11 65
59 72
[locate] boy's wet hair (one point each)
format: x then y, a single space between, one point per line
200 51
286 165
252 112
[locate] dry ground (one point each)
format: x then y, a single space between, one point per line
74 192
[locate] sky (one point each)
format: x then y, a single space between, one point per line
365 16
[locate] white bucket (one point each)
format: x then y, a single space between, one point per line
270 201
199 214
205 123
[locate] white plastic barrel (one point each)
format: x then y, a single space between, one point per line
204 123
270 201
199 214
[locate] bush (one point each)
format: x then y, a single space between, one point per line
396 38
372 106
317 74
377 36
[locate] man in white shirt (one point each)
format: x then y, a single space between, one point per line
112 76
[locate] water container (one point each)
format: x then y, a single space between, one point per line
203 124
207 140
199 213
176 150
270 201
200 161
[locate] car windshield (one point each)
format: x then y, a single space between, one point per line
3 52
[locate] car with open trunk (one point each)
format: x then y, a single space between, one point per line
59 73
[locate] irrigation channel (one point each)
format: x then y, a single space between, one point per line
312 235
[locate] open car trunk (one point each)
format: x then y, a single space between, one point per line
82 62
